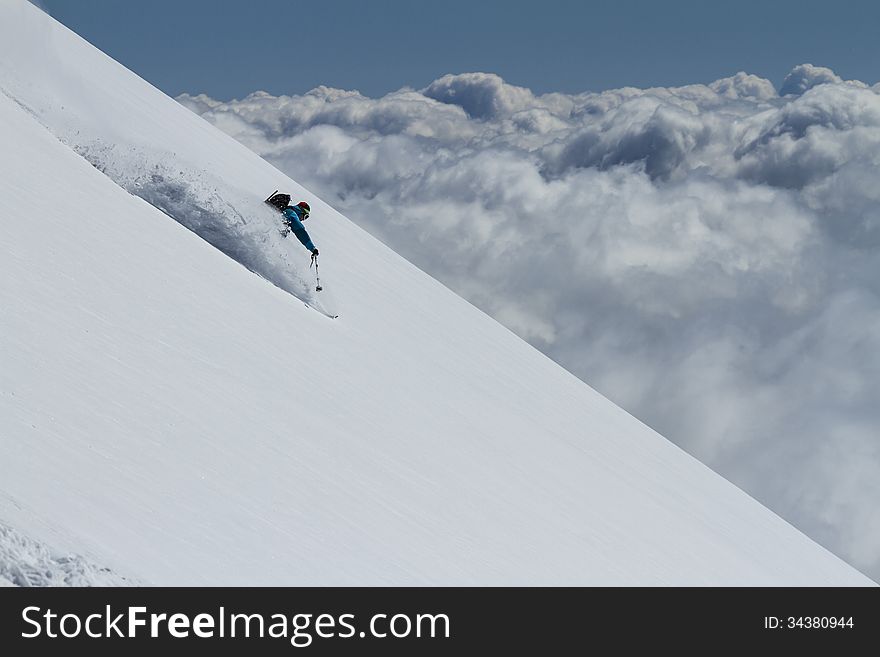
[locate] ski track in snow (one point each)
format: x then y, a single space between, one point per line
234 221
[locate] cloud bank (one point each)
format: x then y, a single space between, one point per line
706 256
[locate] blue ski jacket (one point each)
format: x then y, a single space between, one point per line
291 218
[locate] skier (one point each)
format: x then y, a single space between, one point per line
294 215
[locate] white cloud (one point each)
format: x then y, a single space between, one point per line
704 255
811 137
744 86
806 76
481 95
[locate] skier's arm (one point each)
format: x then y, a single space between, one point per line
299 230
303 237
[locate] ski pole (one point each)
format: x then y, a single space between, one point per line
318 287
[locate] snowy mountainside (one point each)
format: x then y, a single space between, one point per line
175 419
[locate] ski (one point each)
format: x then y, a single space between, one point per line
319 310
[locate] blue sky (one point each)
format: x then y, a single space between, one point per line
229 48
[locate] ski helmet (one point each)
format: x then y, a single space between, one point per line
304 209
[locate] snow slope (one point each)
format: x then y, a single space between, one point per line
170 416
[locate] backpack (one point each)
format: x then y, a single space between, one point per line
278 201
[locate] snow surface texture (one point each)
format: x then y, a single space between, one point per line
25 562
173 417
706 255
